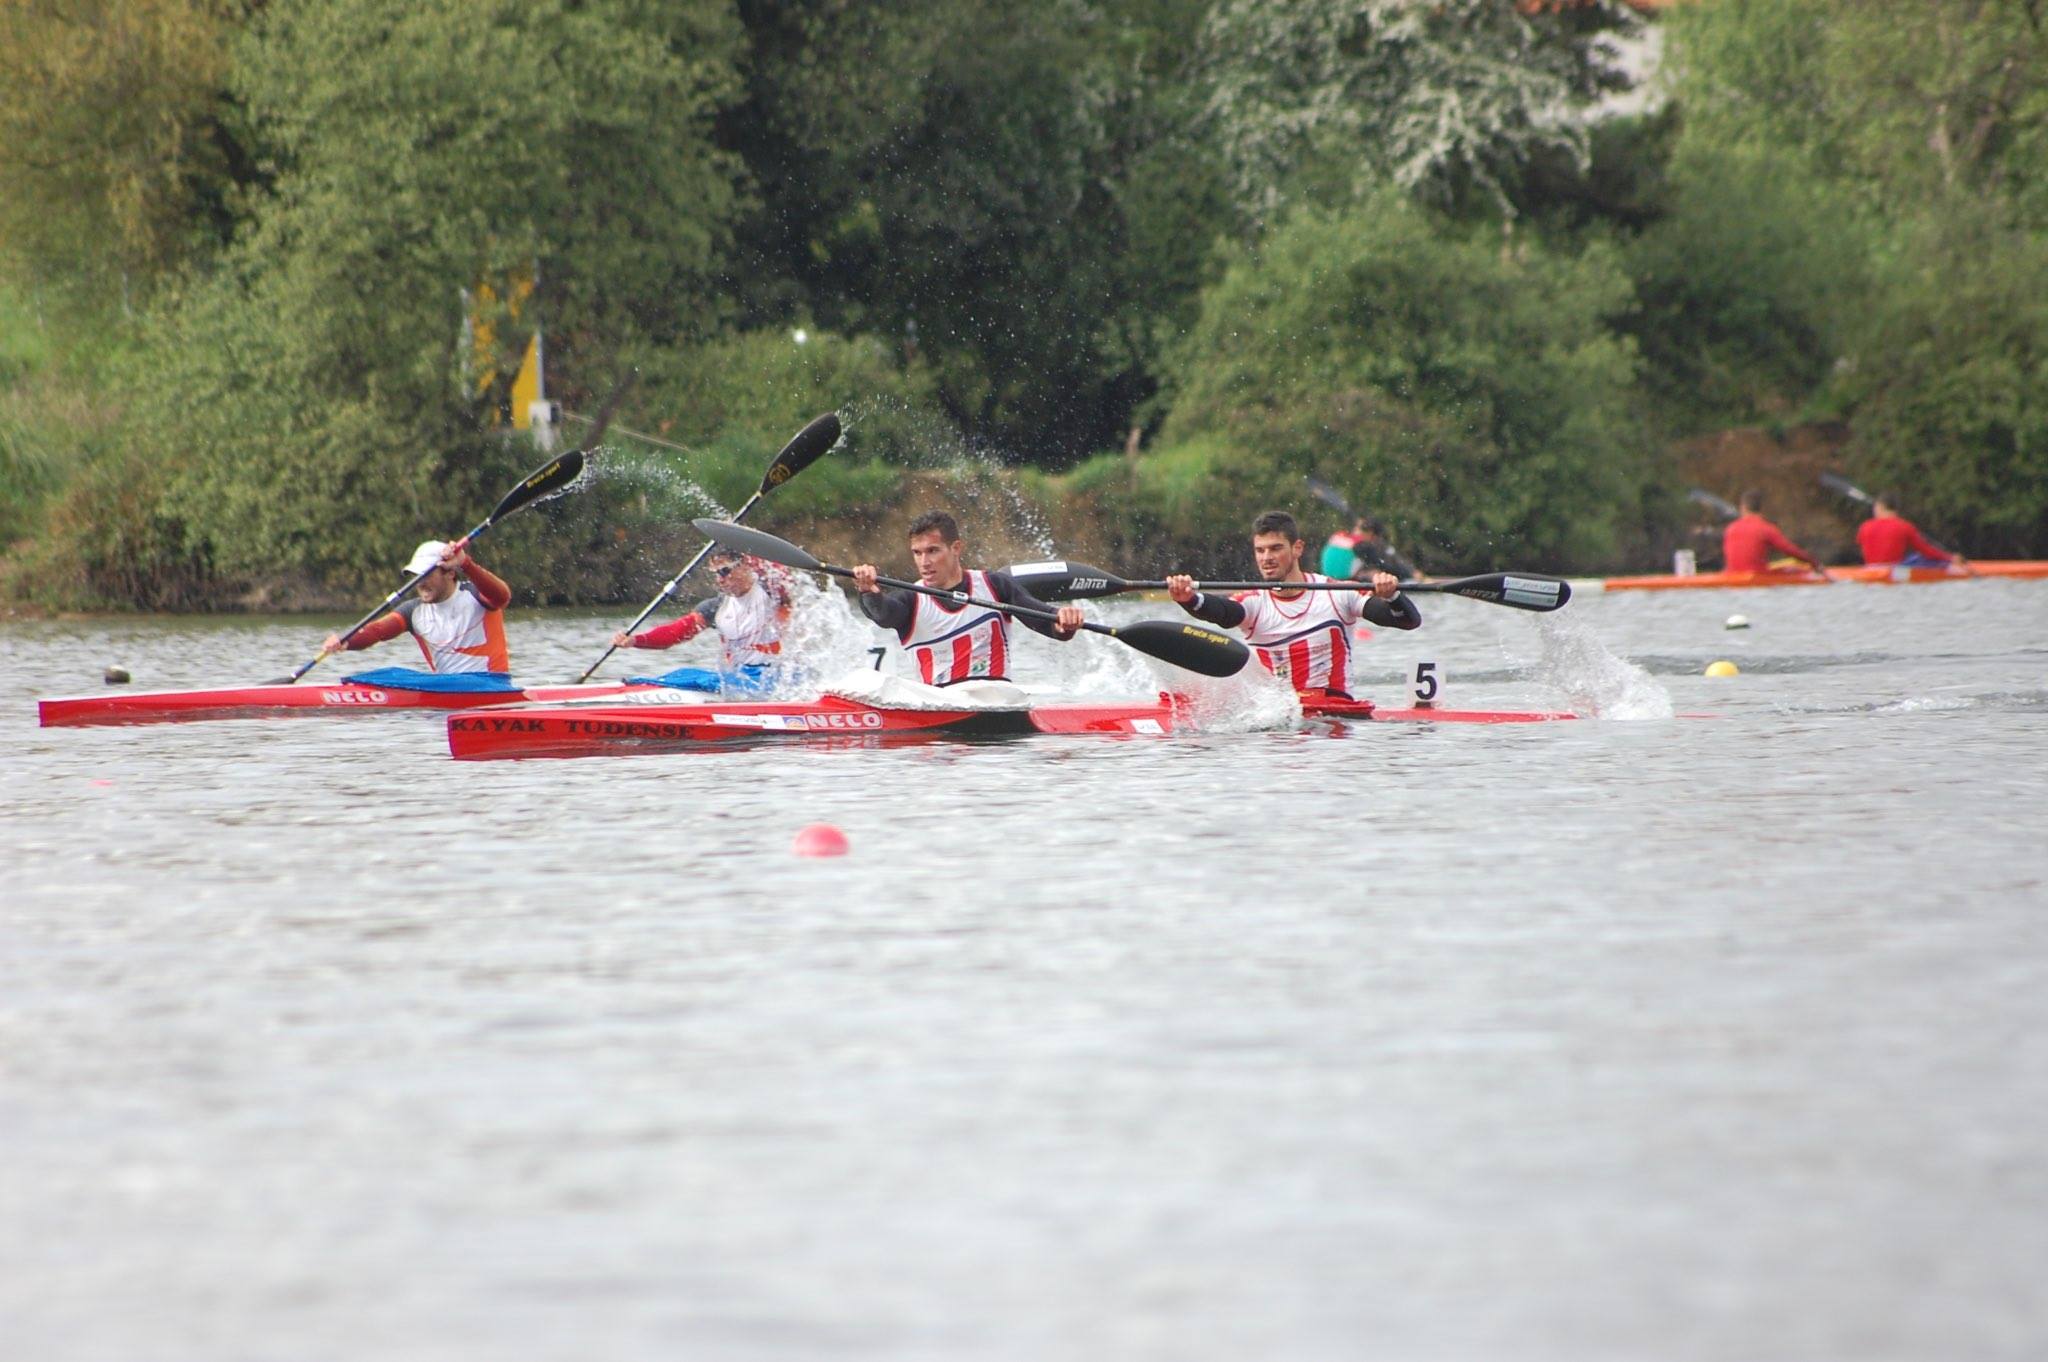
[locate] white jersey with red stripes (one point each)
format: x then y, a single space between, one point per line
959 642
750 624
1305 641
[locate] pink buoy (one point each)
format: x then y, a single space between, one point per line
820 839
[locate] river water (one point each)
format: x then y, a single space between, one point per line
1680 1038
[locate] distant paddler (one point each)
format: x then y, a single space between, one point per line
1888 538
749 615
1371 553
1302 636
457 615
1749 540
956 641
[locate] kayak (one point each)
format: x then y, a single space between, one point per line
646 724
1895 574
273 701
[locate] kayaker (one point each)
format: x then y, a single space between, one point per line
954 642
1371 553
1888 537
1303 637
457 615
1749 540
1340 552
749 613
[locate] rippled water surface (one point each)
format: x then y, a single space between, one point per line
1686 1038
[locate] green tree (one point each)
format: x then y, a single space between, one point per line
310 393
1474 394
117 137
1005 190
1450 99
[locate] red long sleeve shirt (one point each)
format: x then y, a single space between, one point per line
1888 539
1747 543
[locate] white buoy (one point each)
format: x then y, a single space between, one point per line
1737 622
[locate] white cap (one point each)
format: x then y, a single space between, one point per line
426 557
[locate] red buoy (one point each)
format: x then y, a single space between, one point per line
820 839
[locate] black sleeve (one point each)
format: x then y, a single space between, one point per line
1220 611
707 608
890 608
1010 593
1399 613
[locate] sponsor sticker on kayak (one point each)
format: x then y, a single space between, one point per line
801 723
354 695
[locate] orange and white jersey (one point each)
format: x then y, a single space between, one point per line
959 642
1306 641
459 634
750 624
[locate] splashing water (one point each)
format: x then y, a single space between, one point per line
662 489
1595 681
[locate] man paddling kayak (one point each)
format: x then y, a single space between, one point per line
1888 537
953 642
1303 637
457 618
749 613
1749 540
1371 553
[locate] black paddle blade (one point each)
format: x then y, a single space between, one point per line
1328 495
757 543
1186 645
549 478
800 453
1506 588
1834 482
1702 497
1064 581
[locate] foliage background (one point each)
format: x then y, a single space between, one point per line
1135 269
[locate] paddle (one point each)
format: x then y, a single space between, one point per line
1834 482
809 444
1184 645
1328 495
1060 581
549 478
1725 510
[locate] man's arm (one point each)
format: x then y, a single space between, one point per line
1923 547
1397 613
676 631
890 608
1221 611
380 630
491 590
1010 593
1777 540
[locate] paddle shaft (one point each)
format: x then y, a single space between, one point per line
965 598
1071 581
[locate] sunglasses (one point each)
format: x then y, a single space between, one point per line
725 571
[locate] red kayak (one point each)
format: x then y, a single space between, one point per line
257 702
581 730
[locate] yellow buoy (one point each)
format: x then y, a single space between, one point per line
1722 668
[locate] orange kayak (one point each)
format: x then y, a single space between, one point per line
1897 574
